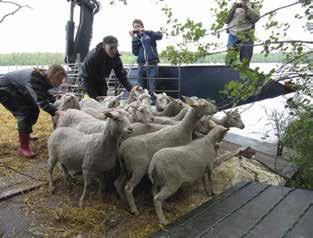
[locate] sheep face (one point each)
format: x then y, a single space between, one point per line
137 90
161 101
234 119
140 113
202 106
120 121
69 101
111 101
145 99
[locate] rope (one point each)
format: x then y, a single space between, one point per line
232 212
268 212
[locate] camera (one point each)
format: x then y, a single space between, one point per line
136 32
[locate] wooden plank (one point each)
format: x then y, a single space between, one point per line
304 227
282 217
283 167
20 189
197 211
237 224
261 146
194 225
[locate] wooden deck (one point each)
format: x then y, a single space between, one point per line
248 210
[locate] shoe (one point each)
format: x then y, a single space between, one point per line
24 149
33 137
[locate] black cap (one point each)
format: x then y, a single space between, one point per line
110 40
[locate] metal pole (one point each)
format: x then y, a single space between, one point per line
179 77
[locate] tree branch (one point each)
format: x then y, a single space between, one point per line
18 8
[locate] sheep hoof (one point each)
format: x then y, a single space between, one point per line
51 190
164 222
135 212
81 204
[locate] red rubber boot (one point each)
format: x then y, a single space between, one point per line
24 149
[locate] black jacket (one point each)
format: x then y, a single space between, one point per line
97 66
33 86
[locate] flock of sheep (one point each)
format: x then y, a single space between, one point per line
173 143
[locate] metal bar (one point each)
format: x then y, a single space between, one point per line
170 91
153 78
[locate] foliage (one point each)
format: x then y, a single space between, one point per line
299 138
297 67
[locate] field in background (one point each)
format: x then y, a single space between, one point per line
128 58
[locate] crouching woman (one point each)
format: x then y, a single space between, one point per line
22 91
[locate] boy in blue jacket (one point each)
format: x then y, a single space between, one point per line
144 46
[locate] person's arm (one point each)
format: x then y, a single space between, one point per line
231 13
252 14
43 96
88 69
136 44
121 74
155 35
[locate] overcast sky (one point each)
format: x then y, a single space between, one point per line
42 29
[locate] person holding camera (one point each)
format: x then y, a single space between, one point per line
144 46
241 21
98 65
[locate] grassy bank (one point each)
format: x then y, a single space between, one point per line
128 58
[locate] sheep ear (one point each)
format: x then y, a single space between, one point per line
100 97
190 102
146 91
172 99
155 94
109 115
119 96
164 94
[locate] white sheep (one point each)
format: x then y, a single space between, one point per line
139 112
145 98
161 101
171 109
81 121
67 101
135 153
172 167
92 154
134 94
142 129
230 119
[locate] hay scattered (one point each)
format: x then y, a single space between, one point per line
60 216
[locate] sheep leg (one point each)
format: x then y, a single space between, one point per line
51 164
101 182
119 184
66 175
206 185
164 193
87 181
131 184
208 182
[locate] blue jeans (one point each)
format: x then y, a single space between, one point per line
245 49
146 78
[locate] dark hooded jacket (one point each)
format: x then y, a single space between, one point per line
145 47
97 66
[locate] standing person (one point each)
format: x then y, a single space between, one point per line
98 65
144 46
22 91
241 21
